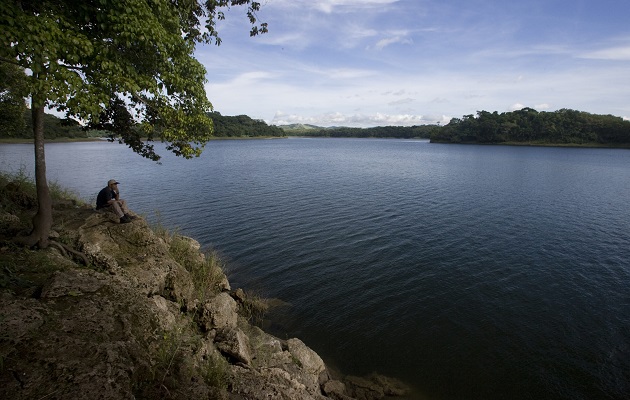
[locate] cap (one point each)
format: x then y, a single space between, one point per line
111 182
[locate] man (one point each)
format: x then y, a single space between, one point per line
109 197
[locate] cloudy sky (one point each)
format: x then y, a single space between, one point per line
408 62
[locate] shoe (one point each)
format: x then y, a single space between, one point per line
131 217
125 219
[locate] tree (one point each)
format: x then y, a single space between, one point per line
12 104
94 58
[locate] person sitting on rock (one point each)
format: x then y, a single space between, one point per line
109 197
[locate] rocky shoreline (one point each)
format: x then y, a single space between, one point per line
136 323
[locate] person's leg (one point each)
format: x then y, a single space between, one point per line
117 209
123 206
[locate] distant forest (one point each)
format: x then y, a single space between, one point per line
398 132
528 126
243 126
224 126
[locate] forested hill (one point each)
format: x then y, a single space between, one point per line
562 127
55 128
398 132
242 126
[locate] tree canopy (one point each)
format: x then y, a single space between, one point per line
111 62
564 126
242 126
12 104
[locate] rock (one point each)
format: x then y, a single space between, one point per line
363 389
72 283
269 383
391 386
166 312
19 317
310 361
178 286
239 295
9 223
335 390
219 312
234 343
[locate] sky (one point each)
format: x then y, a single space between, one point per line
365 63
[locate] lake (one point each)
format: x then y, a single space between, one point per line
468 272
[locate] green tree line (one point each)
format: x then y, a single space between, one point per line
242 126
527 125
397 132
55 128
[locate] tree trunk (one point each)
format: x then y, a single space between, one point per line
42 221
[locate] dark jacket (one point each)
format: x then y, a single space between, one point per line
106 194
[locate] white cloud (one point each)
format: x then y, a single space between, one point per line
381 44
613 53
354 120
251 78
329 6
401 101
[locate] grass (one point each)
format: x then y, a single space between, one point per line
253 308
25 183
206 270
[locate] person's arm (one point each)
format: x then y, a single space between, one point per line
113 196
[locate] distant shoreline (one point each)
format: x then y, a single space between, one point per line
534 144
58 140
531 144
98 139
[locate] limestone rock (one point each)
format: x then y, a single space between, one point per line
219 312
9 222
269 383
391 386
234 343
310 361
363 389
166 312
335 390
374 387
73 283
178 285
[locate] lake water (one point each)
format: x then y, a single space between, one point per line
469 272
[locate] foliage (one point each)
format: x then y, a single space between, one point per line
242 126
54 127
24 184
108 62
12 104
89 58
206 270
398 132
530 126
253 308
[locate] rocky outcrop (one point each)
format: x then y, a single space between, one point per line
135 324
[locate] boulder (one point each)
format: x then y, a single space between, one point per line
73 283
217 313
310 361
235 344
335 390
363 389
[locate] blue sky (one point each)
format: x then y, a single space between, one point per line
410 62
